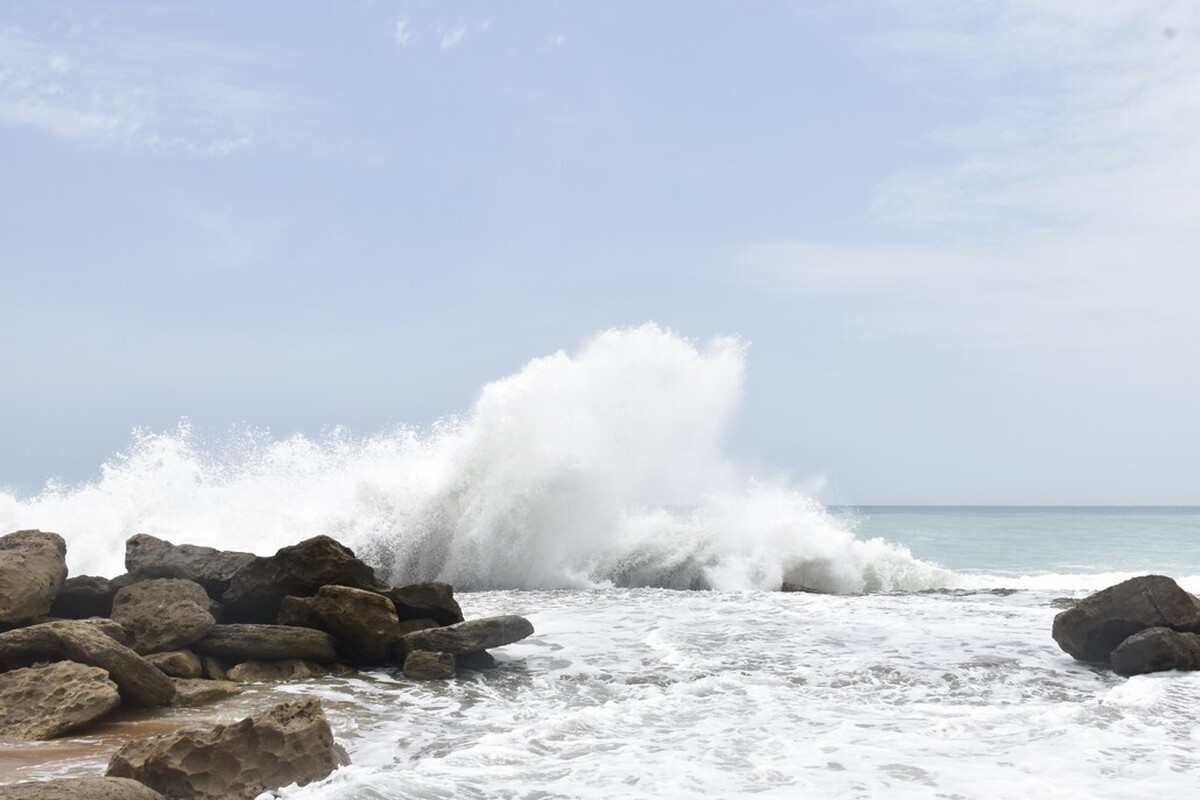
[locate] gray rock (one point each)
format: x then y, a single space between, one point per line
82 597
151 557
214 668
429 600
470 636
33 567
423 665
163 614
290 743
199 692
267 643
1094 626
363 623
139 681
412 625
48 700
80 789
1157 650
475 662
178 664
257 590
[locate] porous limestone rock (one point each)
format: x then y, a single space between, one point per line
33 567
150 557
79 789
163 614
363 623
247 642
423 665
289 669
470 636
429 600
178 663
198 691
49 700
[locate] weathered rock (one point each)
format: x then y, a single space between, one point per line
475 662
48 700
363 623
413 625
178 664
151 557
33 567
110 628
214 668
1094 626
1157 650
139 681
470 636
289 669
163 614
80 789
423 665
429 600
267 643
82 597
198 692
257 590
297 612
290 743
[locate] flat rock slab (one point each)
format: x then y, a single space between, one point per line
33 567
1093 628
247 642
163 613
198 691
80 789
470 636
289 743
49 700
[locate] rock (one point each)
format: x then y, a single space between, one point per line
214 668
198 692
290 743
1157 650
267 643
84 596
139 681
423 665
1093 628
429 600
257 590
163 614
178 664
413 625
80 789
363 623
150 557
48 700
470 636
289 669
475 662
33 567
297 612
108 627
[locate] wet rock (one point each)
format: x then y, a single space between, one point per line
257 590
139 681
470 636
178 663
33 568
289 669
163 614
423 665
363 623
1094 626
429 600
475 662
80 789
48 700
1157 650
151 557
245 642
82 597
413 625
199 692
290 743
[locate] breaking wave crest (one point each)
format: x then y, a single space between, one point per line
605 467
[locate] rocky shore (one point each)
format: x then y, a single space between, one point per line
187 625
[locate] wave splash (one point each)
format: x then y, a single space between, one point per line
604 467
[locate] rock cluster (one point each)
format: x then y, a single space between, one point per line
184 625
1144 624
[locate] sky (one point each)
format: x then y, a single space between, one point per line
961 239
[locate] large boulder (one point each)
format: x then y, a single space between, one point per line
245 642
1157 650
139 681
163 614
257 590
48 700
33 567
1093 628
429 600
82 597
80 789
364 623
290 743
150 557
470 636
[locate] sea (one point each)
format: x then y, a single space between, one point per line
593 493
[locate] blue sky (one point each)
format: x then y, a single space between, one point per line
961 238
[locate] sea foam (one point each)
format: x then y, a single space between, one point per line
605 467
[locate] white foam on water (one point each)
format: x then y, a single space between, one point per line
603 467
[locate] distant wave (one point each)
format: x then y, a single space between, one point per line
605 467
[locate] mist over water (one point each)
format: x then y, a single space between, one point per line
605 467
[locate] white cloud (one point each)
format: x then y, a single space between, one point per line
402 33
453 35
